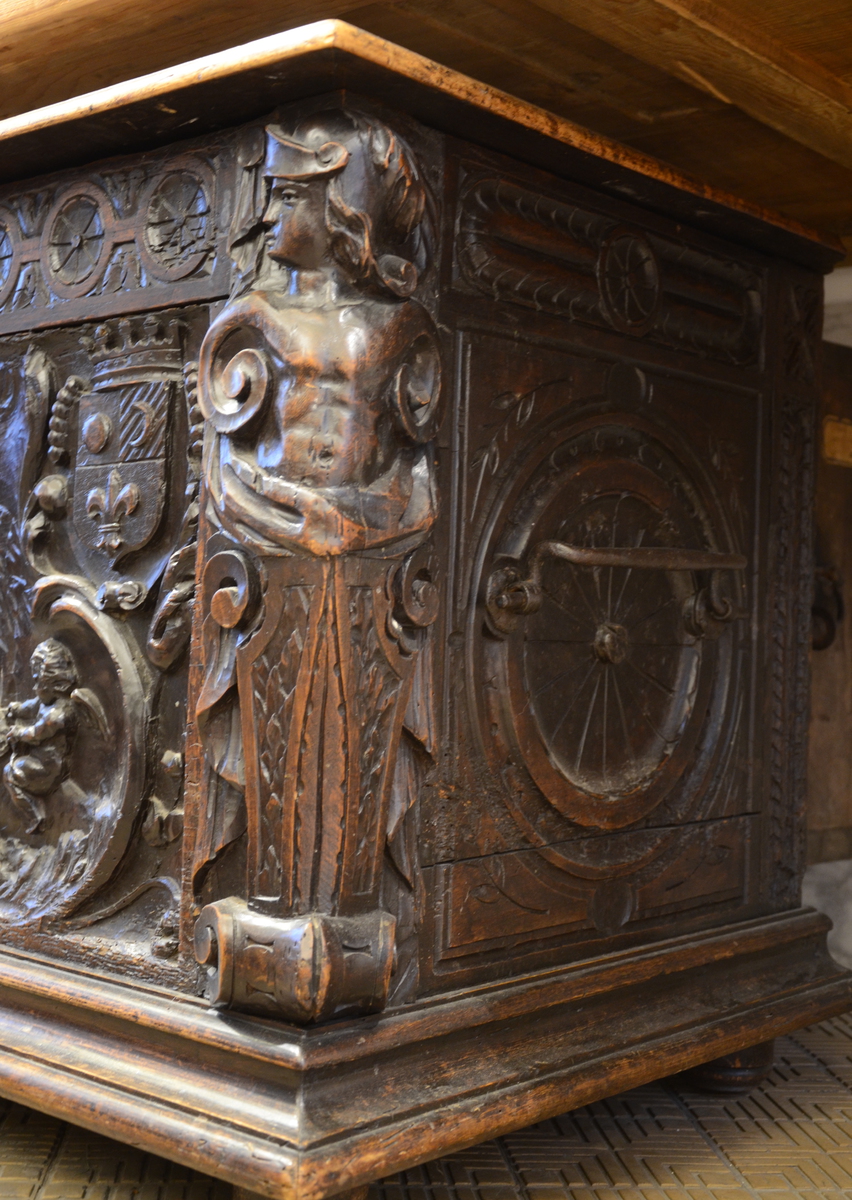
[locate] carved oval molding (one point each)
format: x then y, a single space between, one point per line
525 247
601 700
72 800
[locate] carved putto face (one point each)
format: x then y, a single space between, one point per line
53 670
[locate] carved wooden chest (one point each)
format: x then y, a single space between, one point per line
405 501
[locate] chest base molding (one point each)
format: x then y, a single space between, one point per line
299 1114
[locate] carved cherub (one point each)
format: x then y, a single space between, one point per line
322 380
42 731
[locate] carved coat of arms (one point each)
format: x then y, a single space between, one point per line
123 426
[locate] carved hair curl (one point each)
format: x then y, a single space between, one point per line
357 234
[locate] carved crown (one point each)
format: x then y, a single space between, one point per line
134 350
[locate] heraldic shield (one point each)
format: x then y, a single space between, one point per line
123 428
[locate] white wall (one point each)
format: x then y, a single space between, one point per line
838 307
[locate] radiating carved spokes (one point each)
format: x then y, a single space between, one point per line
76 240
178 218
612 671
629 280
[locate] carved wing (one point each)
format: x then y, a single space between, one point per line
91 709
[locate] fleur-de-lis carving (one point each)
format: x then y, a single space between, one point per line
109 506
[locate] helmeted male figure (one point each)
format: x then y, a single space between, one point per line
322 380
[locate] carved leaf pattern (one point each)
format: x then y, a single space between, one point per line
273 686
519 409
377 686
791 604
790 632
14 611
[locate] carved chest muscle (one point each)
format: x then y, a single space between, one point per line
406 565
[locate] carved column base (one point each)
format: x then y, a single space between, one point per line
303 969
733 1074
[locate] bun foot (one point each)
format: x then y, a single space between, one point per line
732 1074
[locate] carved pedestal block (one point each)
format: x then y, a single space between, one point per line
405 502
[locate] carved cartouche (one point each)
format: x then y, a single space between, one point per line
320 383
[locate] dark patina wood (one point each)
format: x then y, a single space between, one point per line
408 568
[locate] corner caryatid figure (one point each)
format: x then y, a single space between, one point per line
320 383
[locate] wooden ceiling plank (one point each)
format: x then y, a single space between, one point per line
714 48
525 34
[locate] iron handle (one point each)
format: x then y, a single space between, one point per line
510 596
646 558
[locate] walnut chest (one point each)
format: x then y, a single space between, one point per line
406 505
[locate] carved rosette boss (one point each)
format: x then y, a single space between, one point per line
319 382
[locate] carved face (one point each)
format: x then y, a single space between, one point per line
53 670
295 218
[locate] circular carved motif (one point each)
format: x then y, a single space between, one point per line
629 282
77 241
178 226
610 671
598 699
96 432
8 254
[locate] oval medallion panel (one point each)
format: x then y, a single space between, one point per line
606 666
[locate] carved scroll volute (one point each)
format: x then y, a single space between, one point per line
320 384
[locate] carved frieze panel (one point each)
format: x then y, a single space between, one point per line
528 248
151 233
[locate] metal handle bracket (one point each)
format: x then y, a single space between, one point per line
510 595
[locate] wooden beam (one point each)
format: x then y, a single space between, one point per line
714 48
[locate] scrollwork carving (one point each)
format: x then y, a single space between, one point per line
104 542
